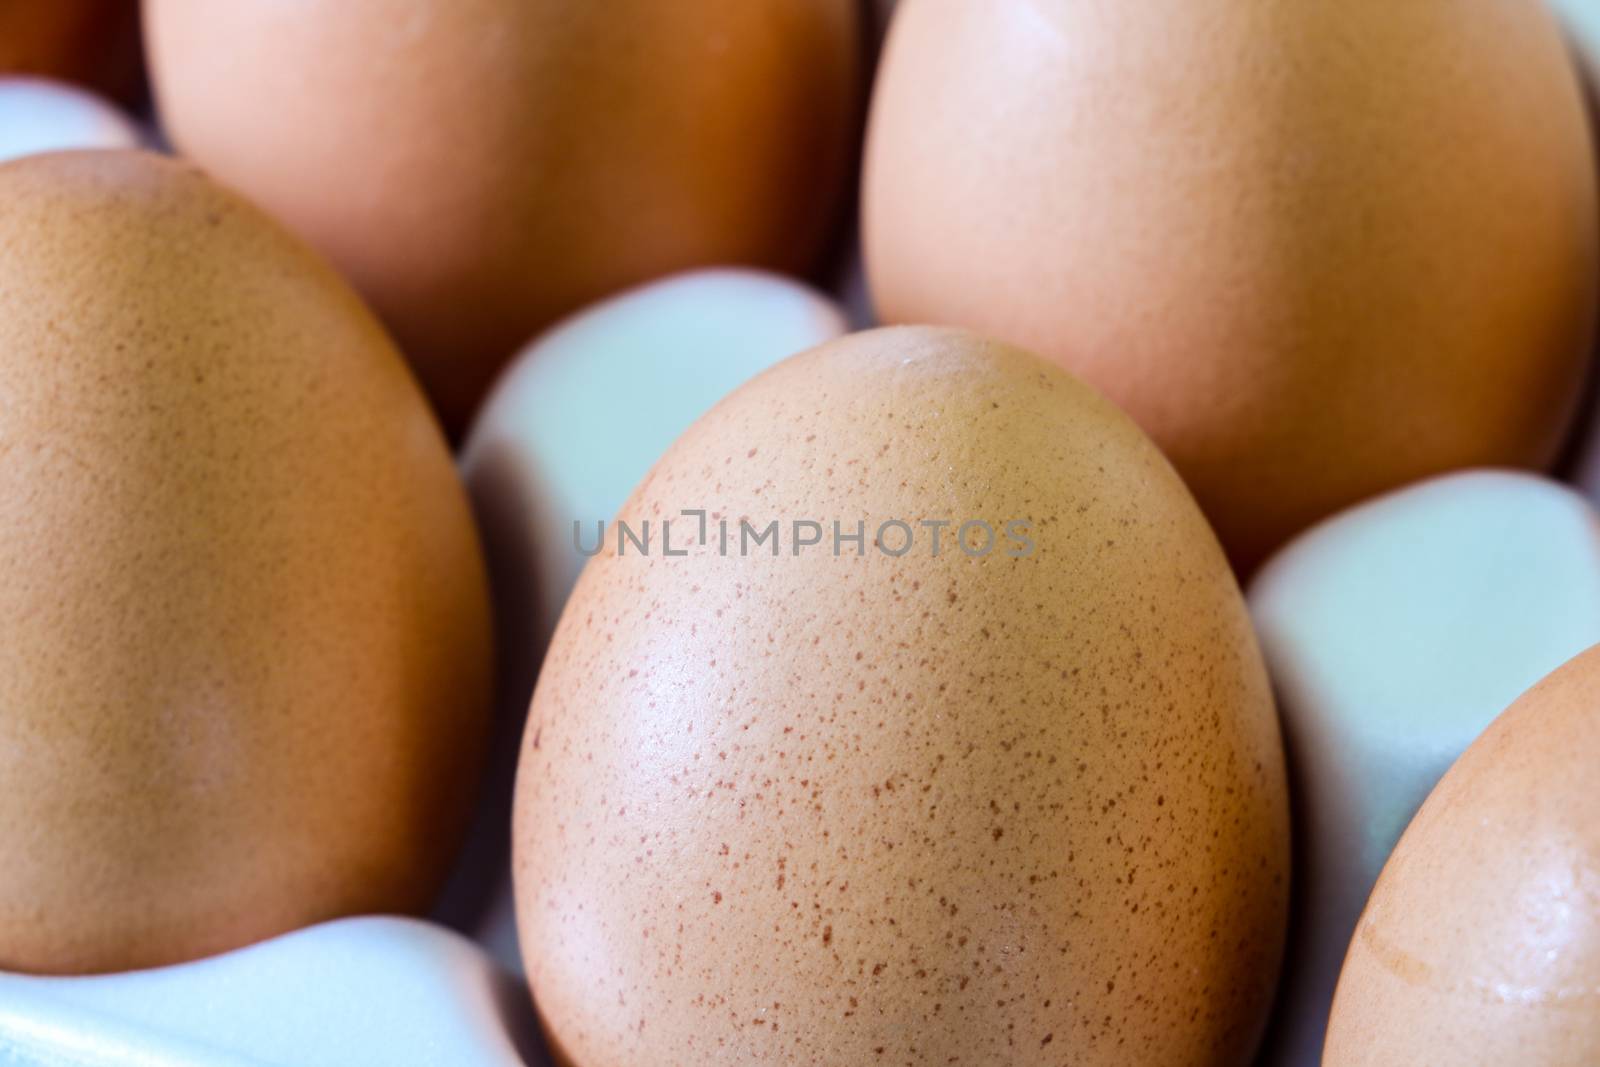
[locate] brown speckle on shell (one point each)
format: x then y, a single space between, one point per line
949 755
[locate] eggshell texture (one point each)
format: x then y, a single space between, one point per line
574 424
245 665
1317 251
40 115
90 41
1481 943
1394 633
481 167
857 808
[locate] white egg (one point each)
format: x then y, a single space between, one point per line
1395 632
574 423
40 115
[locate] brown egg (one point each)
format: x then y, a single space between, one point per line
480 167
1316 250
90 41
244 664
1481 942
823 803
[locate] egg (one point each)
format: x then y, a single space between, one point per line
814 778
245 669
91 41
1395 632
40 115
481 167
1317 251
576 420
1481 943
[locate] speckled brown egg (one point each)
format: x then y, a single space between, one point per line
245 651
1481 943
480 167
813 800
1317 250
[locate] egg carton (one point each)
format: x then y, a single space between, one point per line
370 990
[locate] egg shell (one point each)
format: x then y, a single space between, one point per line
41 115
968 807
1317 251
481 167
1481 943
245 670
571 427
1394 633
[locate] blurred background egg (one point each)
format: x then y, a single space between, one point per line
40 115
1394 633
479 168
94 42
891 803
245 667
1317 251
1481 943
571 427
